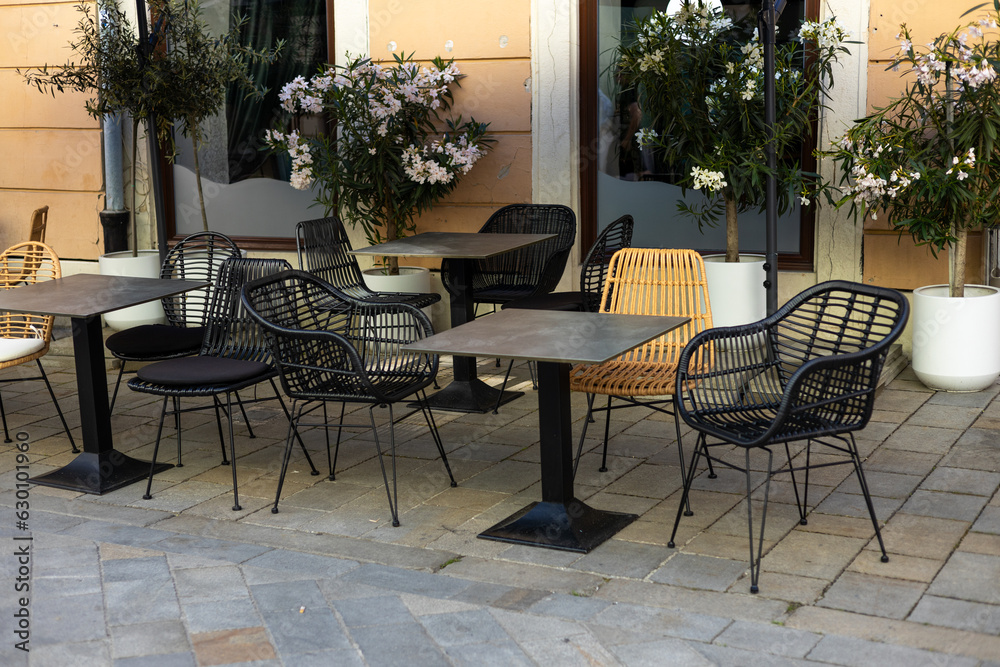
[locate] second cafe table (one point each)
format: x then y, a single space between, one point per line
467 393
556 340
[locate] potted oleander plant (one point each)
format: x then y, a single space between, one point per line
391 151
928 162
699 76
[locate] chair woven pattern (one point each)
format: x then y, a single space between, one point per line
535 269
329 346
324 250
231 332
648 281
27 264
197 257
809 370
594 274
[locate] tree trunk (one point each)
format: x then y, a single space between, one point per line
732 230
197 179
135 173
956 261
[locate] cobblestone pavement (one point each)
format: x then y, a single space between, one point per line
182 579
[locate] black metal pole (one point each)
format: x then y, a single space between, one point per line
146 47
766 23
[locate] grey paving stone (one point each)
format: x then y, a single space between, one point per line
878 596
618 558
339 657
861 653
420 649
209 583
147 639
309 564
207 547
132 569
569 606
500 654
63 585
960 480
407 581
290 596
133 536
976 450
959 614
661 622
725 655
385 610
529 627
77 618
477 627
968 576
926 439
316 629
988 521
661 652
81 654
130 602
945 505
694 571
221 615
768 639
173 660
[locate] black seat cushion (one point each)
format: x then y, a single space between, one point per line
567 301
155 341
201 371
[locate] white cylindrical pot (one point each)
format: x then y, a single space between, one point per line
145 265
954 339
736 289
413 279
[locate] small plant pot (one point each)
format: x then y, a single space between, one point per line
145 265
412 279
736 289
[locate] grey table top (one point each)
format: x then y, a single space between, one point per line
87 294
467 245
548 335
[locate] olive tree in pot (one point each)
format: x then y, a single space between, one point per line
699 76
389 155
929 162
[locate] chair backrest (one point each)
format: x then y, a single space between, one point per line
196 257
324 250
230 331
594 272
26 264
39 219
656 281
540 264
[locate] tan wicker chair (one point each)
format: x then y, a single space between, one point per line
646 281
25 337
39 220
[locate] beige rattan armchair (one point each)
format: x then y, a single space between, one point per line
39 220
25 337
646 281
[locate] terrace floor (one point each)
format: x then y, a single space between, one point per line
181 579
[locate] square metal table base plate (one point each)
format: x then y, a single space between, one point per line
99 473
572 526
470 396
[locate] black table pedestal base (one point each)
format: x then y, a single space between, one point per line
571 526
470 396
98 473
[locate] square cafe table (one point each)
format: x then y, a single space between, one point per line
84 298
467 393
556 340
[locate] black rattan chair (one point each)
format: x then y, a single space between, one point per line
809 372
330 347
529 271
233 355
324 250
197 257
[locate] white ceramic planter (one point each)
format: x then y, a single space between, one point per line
414 279
145 265
954 339
736 289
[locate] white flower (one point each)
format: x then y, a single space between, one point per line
804 200
710 180
645 137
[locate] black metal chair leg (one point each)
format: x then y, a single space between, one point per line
391 493
292 428
680 455
583 434
607 431
222 438
755 563
340 430
118 383
246 419
795 487
688 480
432 425
177 429
297 436
232 453
3 416
156 449
863 483
55 402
